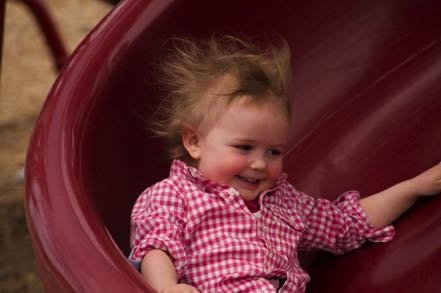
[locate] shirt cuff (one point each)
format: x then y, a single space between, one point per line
349 203
174 249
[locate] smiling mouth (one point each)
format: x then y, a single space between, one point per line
248 179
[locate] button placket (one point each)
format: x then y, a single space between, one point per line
233 198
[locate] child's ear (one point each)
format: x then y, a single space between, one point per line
190 140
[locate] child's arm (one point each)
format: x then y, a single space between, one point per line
159 271
384 207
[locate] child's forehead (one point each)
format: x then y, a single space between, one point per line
246 106
245 120
218 98
263 106
267 102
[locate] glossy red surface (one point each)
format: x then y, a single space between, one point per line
366 107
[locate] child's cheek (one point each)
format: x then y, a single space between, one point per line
236 164
275 171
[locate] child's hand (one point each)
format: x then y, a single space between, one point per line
180 288
428 182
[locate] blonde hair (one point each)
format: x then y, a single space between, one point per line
194 66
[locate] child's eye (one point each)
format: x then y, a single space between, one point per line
274 152
244 147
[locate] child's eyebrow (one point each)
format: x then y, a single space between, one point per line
279 146
252 141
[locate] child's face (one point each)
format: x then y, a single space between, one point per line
244 149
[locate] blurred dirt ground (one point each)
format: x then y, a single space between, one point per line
27 75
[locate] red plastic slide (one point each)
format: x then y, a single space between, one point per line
366 101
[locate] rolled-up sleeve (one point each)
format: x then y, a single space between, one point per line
338 226
158 222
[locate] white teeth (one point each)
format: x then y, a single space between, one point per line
248 179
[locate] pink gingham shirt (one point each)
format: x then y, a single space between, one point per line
218 245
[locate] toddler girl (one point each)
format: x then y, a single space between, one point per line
226 219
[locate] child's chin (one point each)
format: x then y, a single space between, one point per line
249 196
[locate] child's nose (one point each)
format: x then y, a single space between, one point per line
258 164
